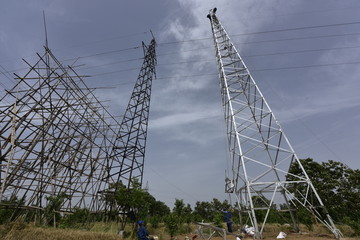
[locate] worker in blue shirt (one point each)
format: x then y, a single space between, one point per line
228 220
142 233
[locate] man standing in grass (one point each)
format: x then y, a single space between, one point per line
228 220
142 233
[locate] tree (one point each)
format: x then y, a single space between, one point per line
183 215
220 206
179 208
77 219
262 202
137 203
337 185
172 224
205 211
54 203
131 201
187 212
9 209
158 208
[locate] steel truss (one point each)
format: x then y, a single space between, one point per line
56 137
128 153
261 154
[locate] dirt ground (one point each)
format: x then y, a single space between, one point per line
297 236
271 231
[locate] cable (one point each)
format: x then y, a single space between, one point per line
266 69
298 28
306 66
188 76
264 41
112 72
104 53
196 49
302 51
104 40
111 63
70 59
210 60
318 11
241 34
303 123
5 74
98 54
254 70
299 38
171 184
268 31
263 55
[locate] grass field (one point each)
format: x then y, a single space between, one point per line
38 233
107 231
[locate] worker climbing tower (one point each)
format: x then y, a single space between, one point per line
263 177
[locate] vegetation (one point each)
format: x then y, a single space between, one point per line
52 215
7 212
337 185
339 189
172 224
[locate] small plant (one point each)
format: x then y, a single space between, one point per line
172 224
54 203
218 219
9 210
77 219
154 221
355 225
305 217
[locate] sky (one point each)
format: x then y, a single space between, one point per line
304 56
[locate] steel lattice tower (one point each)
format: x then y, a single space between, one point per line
55 138
128 154
58 140
261 154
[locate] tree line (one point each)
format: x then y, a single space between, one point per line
337 184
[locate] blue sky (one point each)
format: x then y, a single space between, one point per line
304 55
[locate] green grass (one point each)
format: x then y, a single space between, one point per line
22 231
19 230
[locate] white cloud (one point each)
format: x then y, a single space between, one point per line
178 119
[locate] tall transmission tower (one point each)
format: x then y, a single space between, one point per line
128 153
57 140
261 154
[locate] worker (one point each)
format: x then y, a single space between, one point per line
142 233
249 230
228 220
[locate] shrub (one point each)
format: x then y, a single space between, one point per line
172 224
